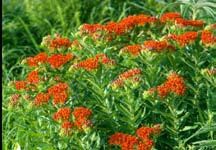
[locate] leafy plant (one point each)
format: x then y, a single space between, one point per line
141 82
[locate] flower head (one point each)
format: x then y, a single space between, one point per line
59 93
88 64
102 58
57 88
147 145
184 38
41 98
127 75
81 112
19 85
39 58
130 73
133 49
60 98
145 132
170 16
163 90
117 28
176 84
56 42
208 38
33 77
81 115
57 60
126 141
141 142
194 23
93 62
59 42
63 114
91 28
66 127
157 46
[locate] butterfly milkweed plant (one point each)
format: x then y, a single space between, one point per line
141 83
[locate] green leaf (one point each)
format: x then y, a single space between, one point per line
201 131
205 143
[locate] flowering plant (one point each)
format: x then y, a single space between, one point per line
141 83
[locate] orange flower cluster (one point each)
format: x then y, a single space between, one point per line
39 58
57 60
141 142
141 19
144 133
19 85
162 90
41 98
104 59
82 115
170 16
63 114
157 46
120 27
128 23
126 141
56 42
174 84
33 77
208 38
133 49
59 42
184 38
130 74
177 18
59 93
117 28
88 64
194 23
93 62
91 28
67 126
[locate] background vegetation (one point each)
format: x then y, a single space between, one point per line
25 22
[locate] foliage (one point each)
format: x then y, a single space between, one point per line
146 81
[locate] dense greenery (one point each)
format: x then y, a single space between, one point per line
187 121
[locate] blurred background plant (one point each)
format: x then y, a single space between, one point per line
195 9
